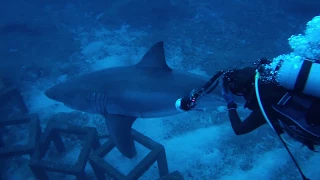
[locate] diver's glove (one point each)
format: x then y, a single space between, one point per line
227 95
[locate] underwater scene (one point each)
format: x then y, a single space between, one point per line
160 90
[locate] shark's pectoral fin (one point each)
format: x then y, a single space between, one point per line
119 128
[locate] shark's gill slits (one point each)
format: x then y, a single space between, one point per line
102 103
89 97
97 102
92 99
100 100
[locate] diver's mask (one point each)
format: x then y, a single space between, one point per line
237 86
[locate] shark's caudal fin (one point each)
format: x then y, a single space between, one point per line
154 58
119 128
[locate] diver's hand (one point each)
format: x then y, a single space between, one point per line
227 95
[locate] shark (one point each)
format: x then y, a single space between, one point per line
147 89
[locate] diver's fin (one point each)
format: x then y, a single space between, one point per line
119 128
154 58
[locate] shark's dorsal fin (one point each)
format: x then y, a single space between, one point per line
154 58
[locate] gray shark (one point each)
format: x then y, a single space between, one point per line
148 89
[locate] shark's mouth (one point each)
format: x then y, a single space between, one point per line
67 105
71 107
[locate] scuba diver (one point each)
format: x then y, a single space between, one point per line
240 82
287 107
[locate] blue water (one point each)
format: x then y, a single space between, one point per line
42 43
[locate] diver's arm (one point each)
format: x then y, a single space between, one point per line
253 121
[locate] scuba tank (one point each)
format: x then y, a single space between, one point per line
296 110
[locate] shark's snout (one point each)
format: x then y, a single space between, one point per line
50 94
67 95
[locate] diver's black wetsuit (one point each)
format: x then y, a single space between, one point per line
270 94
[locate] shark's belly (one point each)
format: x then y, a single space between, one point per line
144 104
